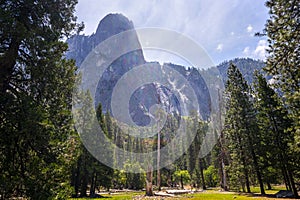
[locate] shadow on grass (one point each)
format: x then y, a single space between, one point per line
97 196
257 195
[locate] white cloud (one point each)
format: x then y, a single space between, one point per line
246 51
249 28
260 51
207 22
220 47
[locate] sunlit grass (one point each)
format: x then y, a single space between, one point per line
115 196
210 194
215 196
274 189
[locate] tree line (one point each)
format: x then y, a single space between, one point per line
42 157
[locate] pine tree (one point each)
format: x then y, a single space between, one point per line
283 62
241 129
88 170
274 122
81 167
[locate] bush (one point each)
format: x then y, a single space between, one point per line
182 177
211 176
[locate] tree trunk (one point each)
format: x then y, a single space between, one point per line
149 190
223 181
294 189
77 178
83 187
224 176
169 179
243 185
247 181
285 173
158 161
245 169
181 181
285 178
202 175
261 184
7 63
93 184
269 185
84 182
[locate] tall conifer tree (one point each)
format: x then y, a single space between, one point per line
241 129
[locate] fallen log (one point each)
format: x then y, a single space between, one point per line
176 192
163 194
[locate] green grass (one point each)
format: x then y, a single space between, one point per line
196 196
118 196
215 196
212 194
274 189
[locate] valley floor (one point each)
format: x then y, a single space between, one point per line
211 194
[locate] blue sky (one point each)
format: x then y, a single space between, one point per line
224 28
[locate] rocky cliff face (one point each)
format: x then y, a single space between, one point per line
144 97
112 24
196 81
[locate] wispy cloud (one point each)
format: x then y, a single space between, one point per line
219 47
246 51
249 28
209 23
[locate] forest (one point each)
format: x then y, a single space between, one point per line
42 156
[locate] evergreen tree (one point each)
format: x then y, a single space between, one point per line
274 122
88 171
241 130
36 83
283 62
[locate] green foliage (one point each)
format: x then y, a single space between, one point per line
274 122
283 62
136 180
236 93
244 138
36 132
271 175
41 157
281 114
211 176
119 180
88 171
182 176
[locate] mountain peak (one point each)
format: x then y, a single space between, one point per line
113 24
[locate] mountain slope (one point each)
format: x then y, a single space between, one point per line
247 66
148 95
